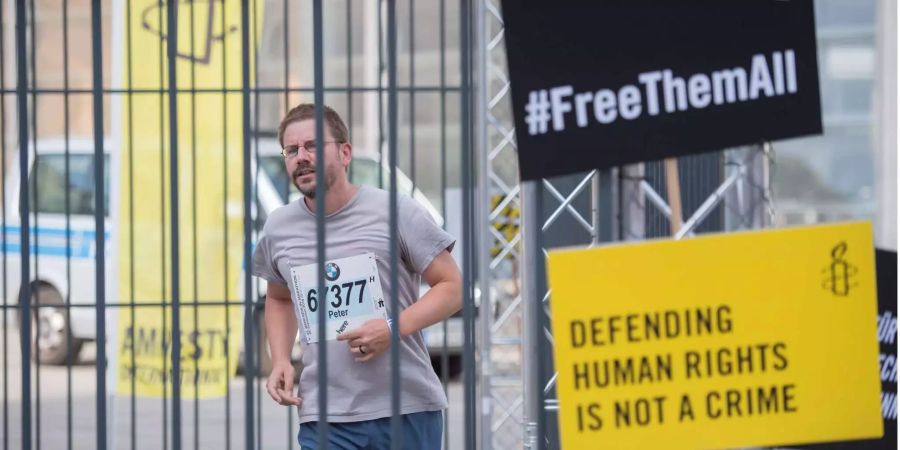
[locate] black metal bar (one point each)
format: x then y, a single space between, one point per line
3 237
99 221
162 225
412 96
287 92
67 171
172 47
348 25
396 419
225 243
319 79
248 281
258 336
195 292
380 91
131 272
36 208
287 60
445 356
24 253
605 204
468 234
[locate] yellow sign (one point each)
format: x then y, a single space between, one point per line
733 340
505 224
210 201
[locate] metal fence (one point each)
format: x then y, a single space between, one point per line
138 140
133 154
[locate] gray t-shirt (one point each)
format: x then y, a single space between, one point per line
359 391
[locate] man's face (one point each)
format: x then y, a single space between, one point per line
303 166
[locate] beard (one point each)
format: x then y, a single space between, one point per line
308 192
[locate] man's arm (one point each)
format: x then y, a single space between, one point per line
281 329
440 302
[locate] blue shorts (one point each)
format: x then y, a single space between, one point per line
420 431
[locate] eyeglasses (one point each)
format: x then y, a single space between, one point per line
309 146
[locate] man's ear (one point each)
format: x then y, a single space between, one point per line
346 150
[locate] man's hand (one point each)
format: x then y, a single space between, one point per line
374 336
281 385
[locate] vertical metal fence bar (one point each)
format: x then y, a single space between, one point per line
287 184
225 200
162 224
131 272
257 333
287 96
67 172
469 405
34 209
248 281
6 304
412 96
194 297
172 60
396 420
319 102
99 221
348 25
445 356
24 239
380 95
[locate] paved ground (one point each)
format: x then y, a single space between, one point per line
210 429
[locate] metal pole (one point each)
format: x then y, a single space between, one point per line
396 419
469 397
483 223
172 51
248 281
605 206
99 223
319 100
532 334
24 238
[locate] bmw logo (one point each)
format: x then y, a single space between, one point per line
332 271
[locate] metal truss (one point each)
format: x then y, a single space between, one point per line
510 377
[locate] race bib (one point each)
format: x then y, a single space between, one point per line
352 296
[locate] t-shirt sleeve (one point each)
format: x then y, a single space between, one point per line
420 237
263 262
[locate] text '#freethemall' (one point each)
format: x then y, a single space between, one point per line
663 93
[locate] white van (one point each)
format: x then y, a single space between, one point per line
64 268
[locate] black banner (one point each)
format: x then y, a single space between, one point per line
886 273
598 84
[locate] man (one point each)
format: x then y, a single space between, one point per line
357 228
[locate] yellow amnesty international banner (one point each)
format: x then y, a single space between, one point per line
210 196
732 340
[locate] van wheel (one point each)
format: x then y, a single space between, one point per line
50 330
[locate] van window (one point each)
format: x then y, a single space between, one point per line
48 183
365 171
273 167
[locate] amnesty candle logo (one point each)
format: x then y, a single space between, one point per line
840 273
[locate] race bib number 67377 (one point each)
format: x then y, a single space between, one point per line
352 296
